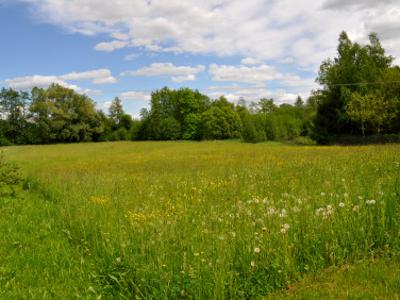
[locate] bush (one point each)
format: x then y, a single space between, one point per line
10 178
170 129
251 133
303 140
4 141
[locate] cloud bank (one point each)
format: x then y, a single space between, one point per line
304 30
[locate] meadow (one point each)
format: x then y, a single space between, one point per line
209 220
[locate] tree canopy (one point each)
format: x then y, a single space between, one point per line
359 87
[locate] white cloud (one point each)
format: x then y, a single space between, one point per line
104 105
120 36
249 61
286 60
111 46
178 73
100 76
28 82
179 79
135 95
92 93
130 57
254 94
257 74
264 30
345 4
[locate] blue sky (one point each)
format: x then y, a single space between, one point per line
127 48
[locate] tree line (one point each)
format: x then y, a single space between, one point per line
359 96
60 115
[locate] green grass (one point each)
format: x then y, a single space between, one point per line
366 279
212 220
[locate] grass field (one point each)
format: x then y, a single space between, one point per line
210 220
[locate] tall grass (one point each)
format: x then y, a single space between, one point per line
214 220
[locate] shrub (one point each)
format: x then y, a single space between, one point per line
4 141
10 178
303 140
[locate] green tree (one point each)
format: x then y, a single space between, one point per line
267 106
116 111
62 115
372 109
221 121
13 108
354 68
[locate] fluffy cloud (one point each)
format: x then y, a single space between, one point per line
100 76
234 93
257 74
178 73
28 82
345 4
249 61
110 46
130 57
305 30
135 95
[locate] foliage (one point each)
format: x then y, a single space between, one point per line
371 109
62 115
13 109
10 178
253 129
220 121
360 91
266 121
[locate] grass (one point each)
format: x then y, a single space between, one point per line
366 279
212 220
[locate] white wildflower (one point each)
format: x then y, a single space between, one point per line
285 228
283 213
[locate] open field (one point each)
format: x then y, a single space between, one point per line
210 220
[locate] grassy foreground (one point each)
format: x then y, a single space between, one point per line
366 279
212 220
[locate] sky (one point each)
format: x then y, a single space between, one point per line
241 49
